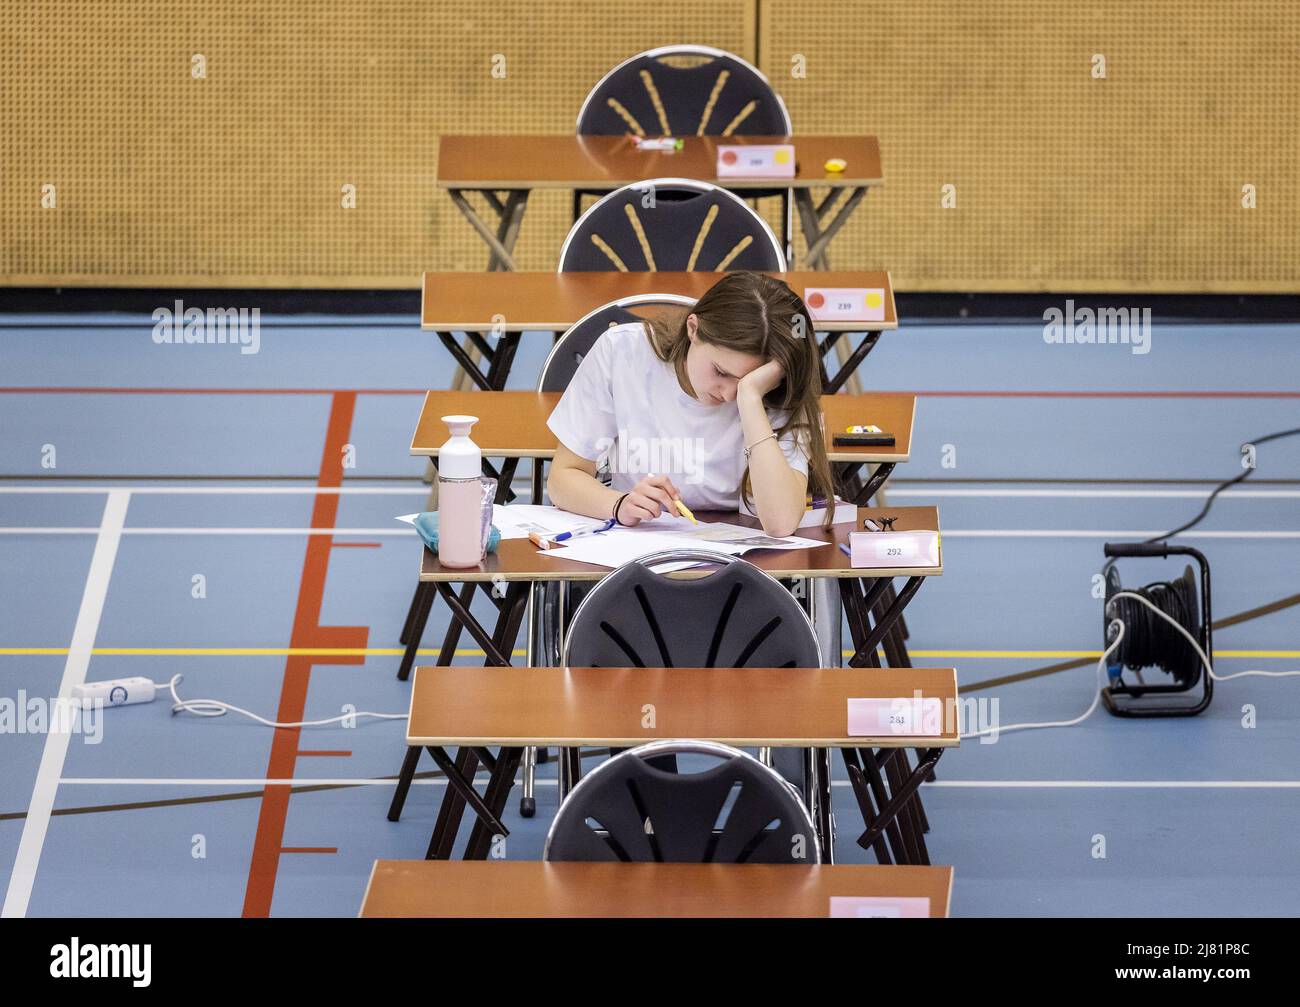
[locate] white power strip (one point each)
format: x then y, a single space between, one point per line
115 692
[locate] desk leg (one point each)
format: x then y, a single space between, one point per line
817 237
416 598
501 244
404 779
848 363
418 616
850 482
898 769
865 646
901 796
870 794
452 809
494 797
476 349
491 646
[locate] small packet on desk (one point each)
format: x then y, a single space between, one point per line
658 143
893 548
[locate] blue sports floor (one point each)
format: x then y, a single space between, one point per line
129 469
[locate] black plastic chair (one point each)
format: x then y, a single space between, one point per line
691 225
567 353
736 617
718 94
721 96
738 811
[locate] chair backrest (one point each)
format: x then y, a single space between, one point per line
576 343
690 225
737 811
722 95
736 617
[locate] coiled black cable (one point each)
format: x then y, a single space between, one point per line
1151 642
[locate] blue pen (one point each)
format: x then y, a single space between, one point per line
845 549
564 536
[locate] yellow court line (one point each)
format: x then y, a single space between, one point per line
468 652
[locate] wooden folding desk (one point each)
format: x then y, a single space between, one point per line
415 889
517 164
474 709
512 425
517 563
507 304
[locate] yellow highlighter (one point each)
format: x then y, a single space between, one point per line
686 511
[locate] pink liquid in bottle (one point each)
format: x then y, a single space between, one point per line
460 534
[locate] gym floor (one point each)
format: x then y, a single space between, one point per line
129 469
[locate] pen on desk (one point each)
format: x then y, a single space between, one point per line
578 532
845 549
564 536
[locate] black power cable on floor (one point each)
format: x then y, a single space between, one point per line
1209 502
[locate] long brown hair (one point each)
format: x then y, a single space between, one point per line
756 314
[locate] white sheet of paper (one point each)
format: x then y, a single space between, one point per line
517 520
623 545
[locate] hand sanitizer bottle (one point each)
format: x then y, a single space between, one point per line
460 496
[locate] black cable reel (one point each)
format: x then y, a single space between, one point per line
1150 642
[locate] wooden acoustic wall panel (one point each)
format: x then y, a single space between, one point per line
236 179
1063 181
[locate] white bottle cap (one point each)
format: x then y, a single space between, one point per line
460 457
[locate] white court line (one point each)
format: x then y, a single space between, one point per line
74 673
991 784
947 532
893 491
260 782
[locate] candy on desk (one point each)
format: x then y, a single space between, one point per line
836 164
658 143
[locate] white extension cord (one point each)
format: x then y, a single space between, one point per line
1101 663
216 708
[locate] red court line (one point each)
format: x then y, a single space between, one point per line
307 632
213 391
923 393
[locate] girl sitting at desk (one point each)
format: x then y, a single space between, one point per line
712 406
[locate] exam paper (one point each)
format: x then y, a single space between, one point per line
517 520
623 545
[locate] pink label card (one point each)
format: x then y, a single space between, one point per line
875 907
913 716
756 161
848 304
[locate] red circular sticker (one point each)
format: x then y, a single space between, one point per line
816 301
728 157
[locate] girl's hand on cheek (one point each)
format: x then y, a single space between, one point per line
761 379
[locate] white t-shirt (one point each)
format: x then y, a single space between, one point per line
626 408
